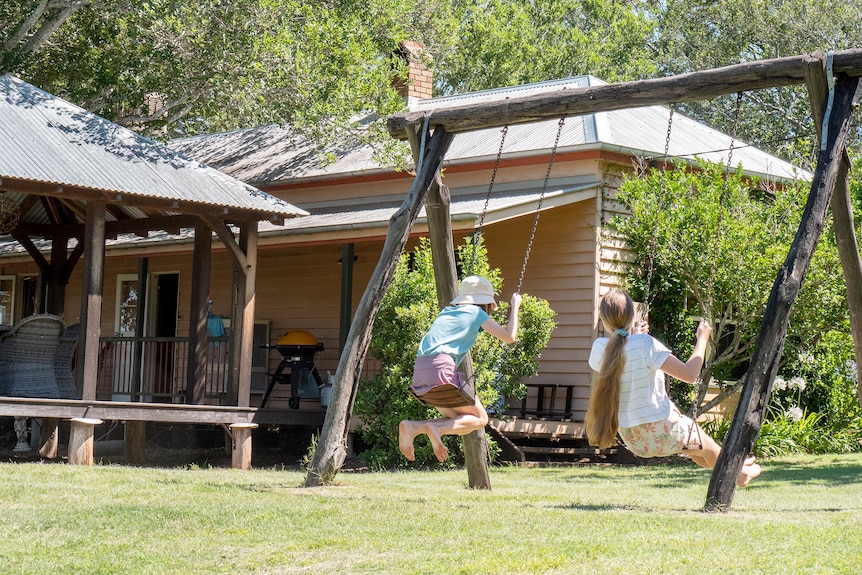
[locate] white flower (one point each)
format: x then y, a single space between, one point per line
806 359
796 383
794 413
779 384
851 368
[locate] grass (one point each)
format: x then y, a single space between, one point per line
803 515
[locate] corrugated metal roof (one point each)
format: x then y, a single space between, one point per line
501 206
467 205
48 140
272 154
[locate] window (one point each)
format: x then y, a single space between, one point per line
7 299
127 304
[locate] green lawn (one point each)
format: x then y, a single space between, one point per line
803 515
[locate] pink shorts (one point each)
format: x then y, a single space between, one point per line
662 438
433 370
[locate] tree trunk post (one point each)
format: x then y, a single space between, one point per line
446 279
773 329
330 452
842 210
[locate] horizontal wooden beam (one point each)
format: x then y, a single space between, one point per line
139 226
70 192
161 412
702 85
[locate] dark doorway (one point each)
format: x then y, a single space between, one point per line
165 330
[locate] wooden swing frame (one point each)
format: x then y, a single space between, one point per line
831 101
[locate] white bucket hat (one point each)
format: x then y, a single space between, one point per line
477 290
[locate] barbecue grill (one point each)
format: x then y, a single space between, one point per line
297 348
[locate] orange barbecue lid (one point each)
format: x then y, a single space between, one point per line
297 337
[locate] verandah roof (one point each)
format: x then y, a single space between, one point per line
53 148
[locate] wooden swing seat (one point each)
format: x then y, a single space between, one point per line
445 395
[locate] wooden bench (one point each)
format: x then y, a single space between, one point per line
551 412
85 415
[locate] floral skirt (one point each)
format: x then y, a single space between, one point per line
662 438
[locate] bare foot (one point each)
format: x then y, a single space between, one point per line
406 434
440 450
749 460
748 473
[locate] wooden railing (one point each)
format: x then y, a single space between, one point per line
161 373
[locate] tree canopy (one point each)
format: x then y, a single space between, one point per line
171 68
179 67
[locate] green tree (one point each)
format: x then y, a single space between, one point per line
407 311
712 247
505 43
699 34
178 67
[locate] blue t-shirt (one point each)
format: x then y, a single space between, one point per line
454 331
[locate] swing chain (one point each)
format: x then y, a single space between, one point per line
478 232
539 206
721 203
659 204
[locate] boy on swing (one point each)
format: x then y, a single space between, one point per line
442 350
629 396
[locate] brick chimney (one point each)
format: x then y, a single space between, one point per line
418 84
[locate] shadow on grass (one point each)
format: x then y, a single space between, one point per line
601 507
680 473
837 473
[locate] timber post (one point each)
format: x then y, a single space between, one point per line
135 441
331 452
842 210
81 440
240 435
773 329
91 300
446 279
196 376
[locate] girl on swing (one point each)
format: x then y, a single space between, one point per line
442 349
629 396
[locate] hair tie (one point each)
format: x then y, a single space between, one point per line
621 332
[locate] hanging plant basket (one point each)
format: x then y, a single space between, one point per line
9 212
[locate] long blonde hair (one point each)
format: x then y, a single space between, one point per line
617 311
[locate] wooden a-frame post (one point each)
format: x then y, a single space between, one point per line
330 452
842 211
773 328
446 281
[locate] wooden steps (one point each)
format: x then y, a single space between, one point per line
535 442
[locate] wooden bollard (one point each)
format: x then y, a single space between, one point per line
136 442
49 438
240 434
81 440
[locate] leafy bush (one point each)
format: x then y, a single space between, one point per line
407 311
714 245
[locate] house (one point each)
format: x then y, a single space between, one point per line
69 182
351 200
313 270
